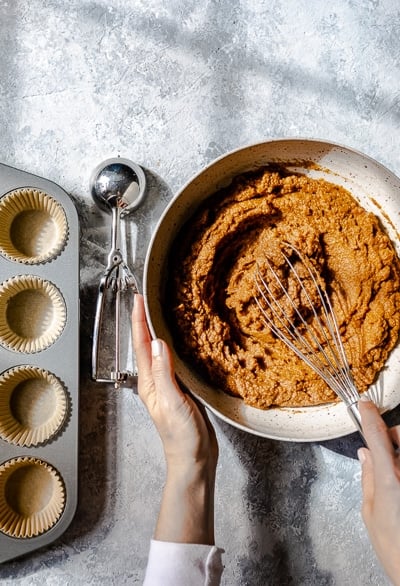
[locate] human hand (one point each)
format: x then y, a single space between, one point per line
188 438
183 426
381 487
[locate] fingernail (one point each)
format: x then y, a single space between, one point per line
156 348
361 455
365 399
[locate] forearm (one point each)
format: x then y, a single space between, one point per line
187 506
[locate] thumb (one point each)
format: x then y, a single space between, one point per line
367 481
163 370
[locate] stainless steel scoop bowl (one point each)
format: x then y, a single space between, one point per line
118 184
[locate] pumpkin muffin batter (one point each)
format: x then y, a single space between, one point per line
216 322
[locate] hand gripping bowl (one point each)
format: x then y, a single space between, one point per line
372 185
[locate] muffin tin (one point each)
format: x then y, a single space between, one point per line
39 361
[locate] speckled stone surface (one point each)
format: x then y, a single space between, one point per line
172 85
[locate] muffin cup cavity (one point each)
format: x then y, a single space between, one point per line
32 314
33 226
33 406
32 497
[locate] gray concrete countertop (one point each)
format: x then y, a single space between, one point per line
173 85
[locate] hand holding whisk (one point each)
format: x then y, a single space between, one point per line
309 326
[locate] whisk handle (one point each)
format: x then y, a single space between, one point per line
356 417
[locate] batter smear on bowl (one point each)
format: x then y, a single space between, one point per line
216 322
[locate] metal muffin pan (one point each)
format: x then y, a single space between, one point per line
60 358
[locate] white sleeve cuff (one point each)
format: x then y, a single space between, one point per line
180 564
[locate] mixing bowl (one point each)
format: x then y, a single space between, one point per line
375 187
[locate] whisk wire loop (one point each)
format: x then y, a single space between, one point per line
313 332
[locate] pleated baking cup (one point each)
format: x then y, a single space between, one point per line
33 406
32 313
32 497
33 226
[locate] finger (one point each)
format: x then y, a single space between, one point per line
377 435
142 345
367 481
140 333
163 372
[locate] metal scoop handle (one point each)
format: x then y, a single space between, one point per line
117 277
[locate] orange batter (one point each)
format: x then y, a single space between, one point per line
216 322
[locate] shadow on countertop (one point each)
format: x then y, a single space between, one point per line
280 550
99 402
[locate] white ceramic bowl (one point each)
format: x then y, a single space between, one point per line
374 186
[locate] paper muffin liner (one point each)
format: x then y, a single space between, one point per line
33 406
33 227
32 497
32 313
